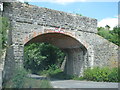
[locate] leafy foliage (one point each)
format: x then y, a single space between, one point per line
39 57
78 14
112 36
33 58
19 78
3 30
101 74
4 26
53 69
26 3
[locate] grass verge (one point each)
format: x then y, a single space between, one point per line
21 80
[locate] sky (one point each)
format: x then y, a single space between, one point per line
106 11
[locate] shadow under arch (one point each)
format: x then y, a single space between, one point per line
58 39
77 54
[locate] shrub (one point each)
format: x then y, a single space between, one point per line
113 76
101 74
53 69
55 72
20 80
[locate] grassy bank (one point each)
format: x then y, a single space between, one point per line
20 80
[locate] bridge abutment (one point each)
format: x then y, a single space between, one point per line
75 63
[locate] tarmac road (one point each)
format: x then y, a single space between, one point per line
78 85
82 84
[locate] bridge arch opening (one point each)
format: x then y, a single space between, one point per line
76 52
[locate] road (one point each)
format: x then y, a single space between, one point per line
82 84
78 84
37 76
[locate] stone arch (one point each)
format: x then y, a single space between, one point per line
75 47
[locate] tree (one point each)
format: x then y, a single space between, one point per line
78 14
112 36
116 33
32 58
39 56
26 3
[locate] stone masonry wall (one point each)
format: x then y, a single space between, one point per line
23 13
105 52
76 62
27 19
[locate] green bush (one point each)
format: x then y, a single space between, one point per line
19 78
53 69
113 76
101 74
55 72
33 59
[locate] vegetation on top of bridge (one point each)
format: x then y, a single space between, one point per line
110 35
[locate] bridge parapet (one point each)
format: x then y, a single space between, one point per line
46 17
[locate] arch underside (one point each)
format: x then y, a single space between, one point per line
76 57
58 39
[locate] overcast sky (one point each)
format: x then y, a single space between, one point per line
105 11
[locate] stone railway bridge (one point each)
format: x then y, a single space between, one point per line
74 34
